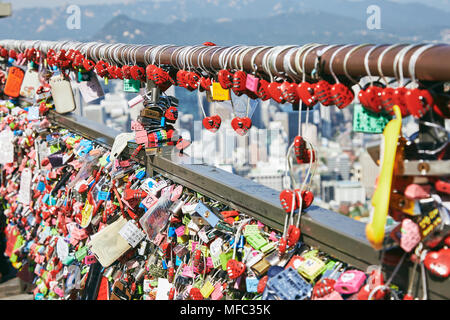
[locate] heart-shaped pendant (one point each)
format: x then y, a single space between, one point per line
418 102
225 79
305 92
438 262
341 95
212 123
241 125
275 92
322 92
286 200
263 90
235 268
293 235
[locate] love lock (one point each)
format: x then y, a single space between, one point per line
322 91
418 102
293 235
241 125
323 287
282 246
126 71
400 98
195 294
372 99
112 72
235 268
150 71
305 92
137 73
239 81
263 90
205 84
275 92
438 262
181 78
192 80
289 92
262 284
101 68
225 79
299 149
341 95
307 198
212 123
286 200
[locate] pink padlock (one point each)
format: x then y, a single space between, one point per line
417 191
350 282
251 83
89 259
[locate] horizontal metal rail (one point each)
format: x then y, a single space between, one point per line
331 232
288 60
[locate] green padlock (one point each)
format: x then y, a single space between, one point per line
368 122
224 258
131 85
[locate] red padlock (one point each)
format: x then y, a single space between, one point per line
225 79
322 91
263 90
341 95
239 82
418 102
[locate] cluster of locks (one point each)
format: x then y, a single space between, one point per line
86 224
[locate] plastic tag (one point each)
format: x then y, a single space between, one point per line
164 287
256 241
218 93
81 253
14 82
25 187
91 90
368 122
131 85
30 83
62 249
131 232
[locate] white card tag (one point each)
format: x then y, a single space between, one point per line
120 143
30 83
33 113
164 287
25 186
62 249
131 232
91 90
6 146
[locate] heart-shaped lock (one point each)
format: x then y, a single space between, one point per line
263 90
438 262
275 92
299 149
241 125
400 100
235 268
205 84
101 68
418 102
307 198
181 78
341 95
262 284
323 287
322 91
225 79
126 70
195 294
212 123
137 73
282 245
293 235
239 82
305 92
289 92
388 100
150 71
192 80
286 200
372 99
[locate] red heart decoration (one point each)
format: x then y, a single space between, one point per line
305 92
372 96
293 235
195 294
241 125
212 123
438 262
308 198
262 284
181 78
235 268
239 82
282 245
418 102
286 200
137 73
263 90
388 100
299 149
341 95
205 84
322 92
275 92
225 78
149 70
126 70
400 100
362 97
193 80
289 92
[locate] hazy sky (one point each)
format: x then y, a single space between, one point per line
17 4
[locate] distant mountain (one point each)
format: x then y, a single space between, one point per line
231 21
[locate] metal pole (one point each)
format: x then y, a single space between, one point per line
432 65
